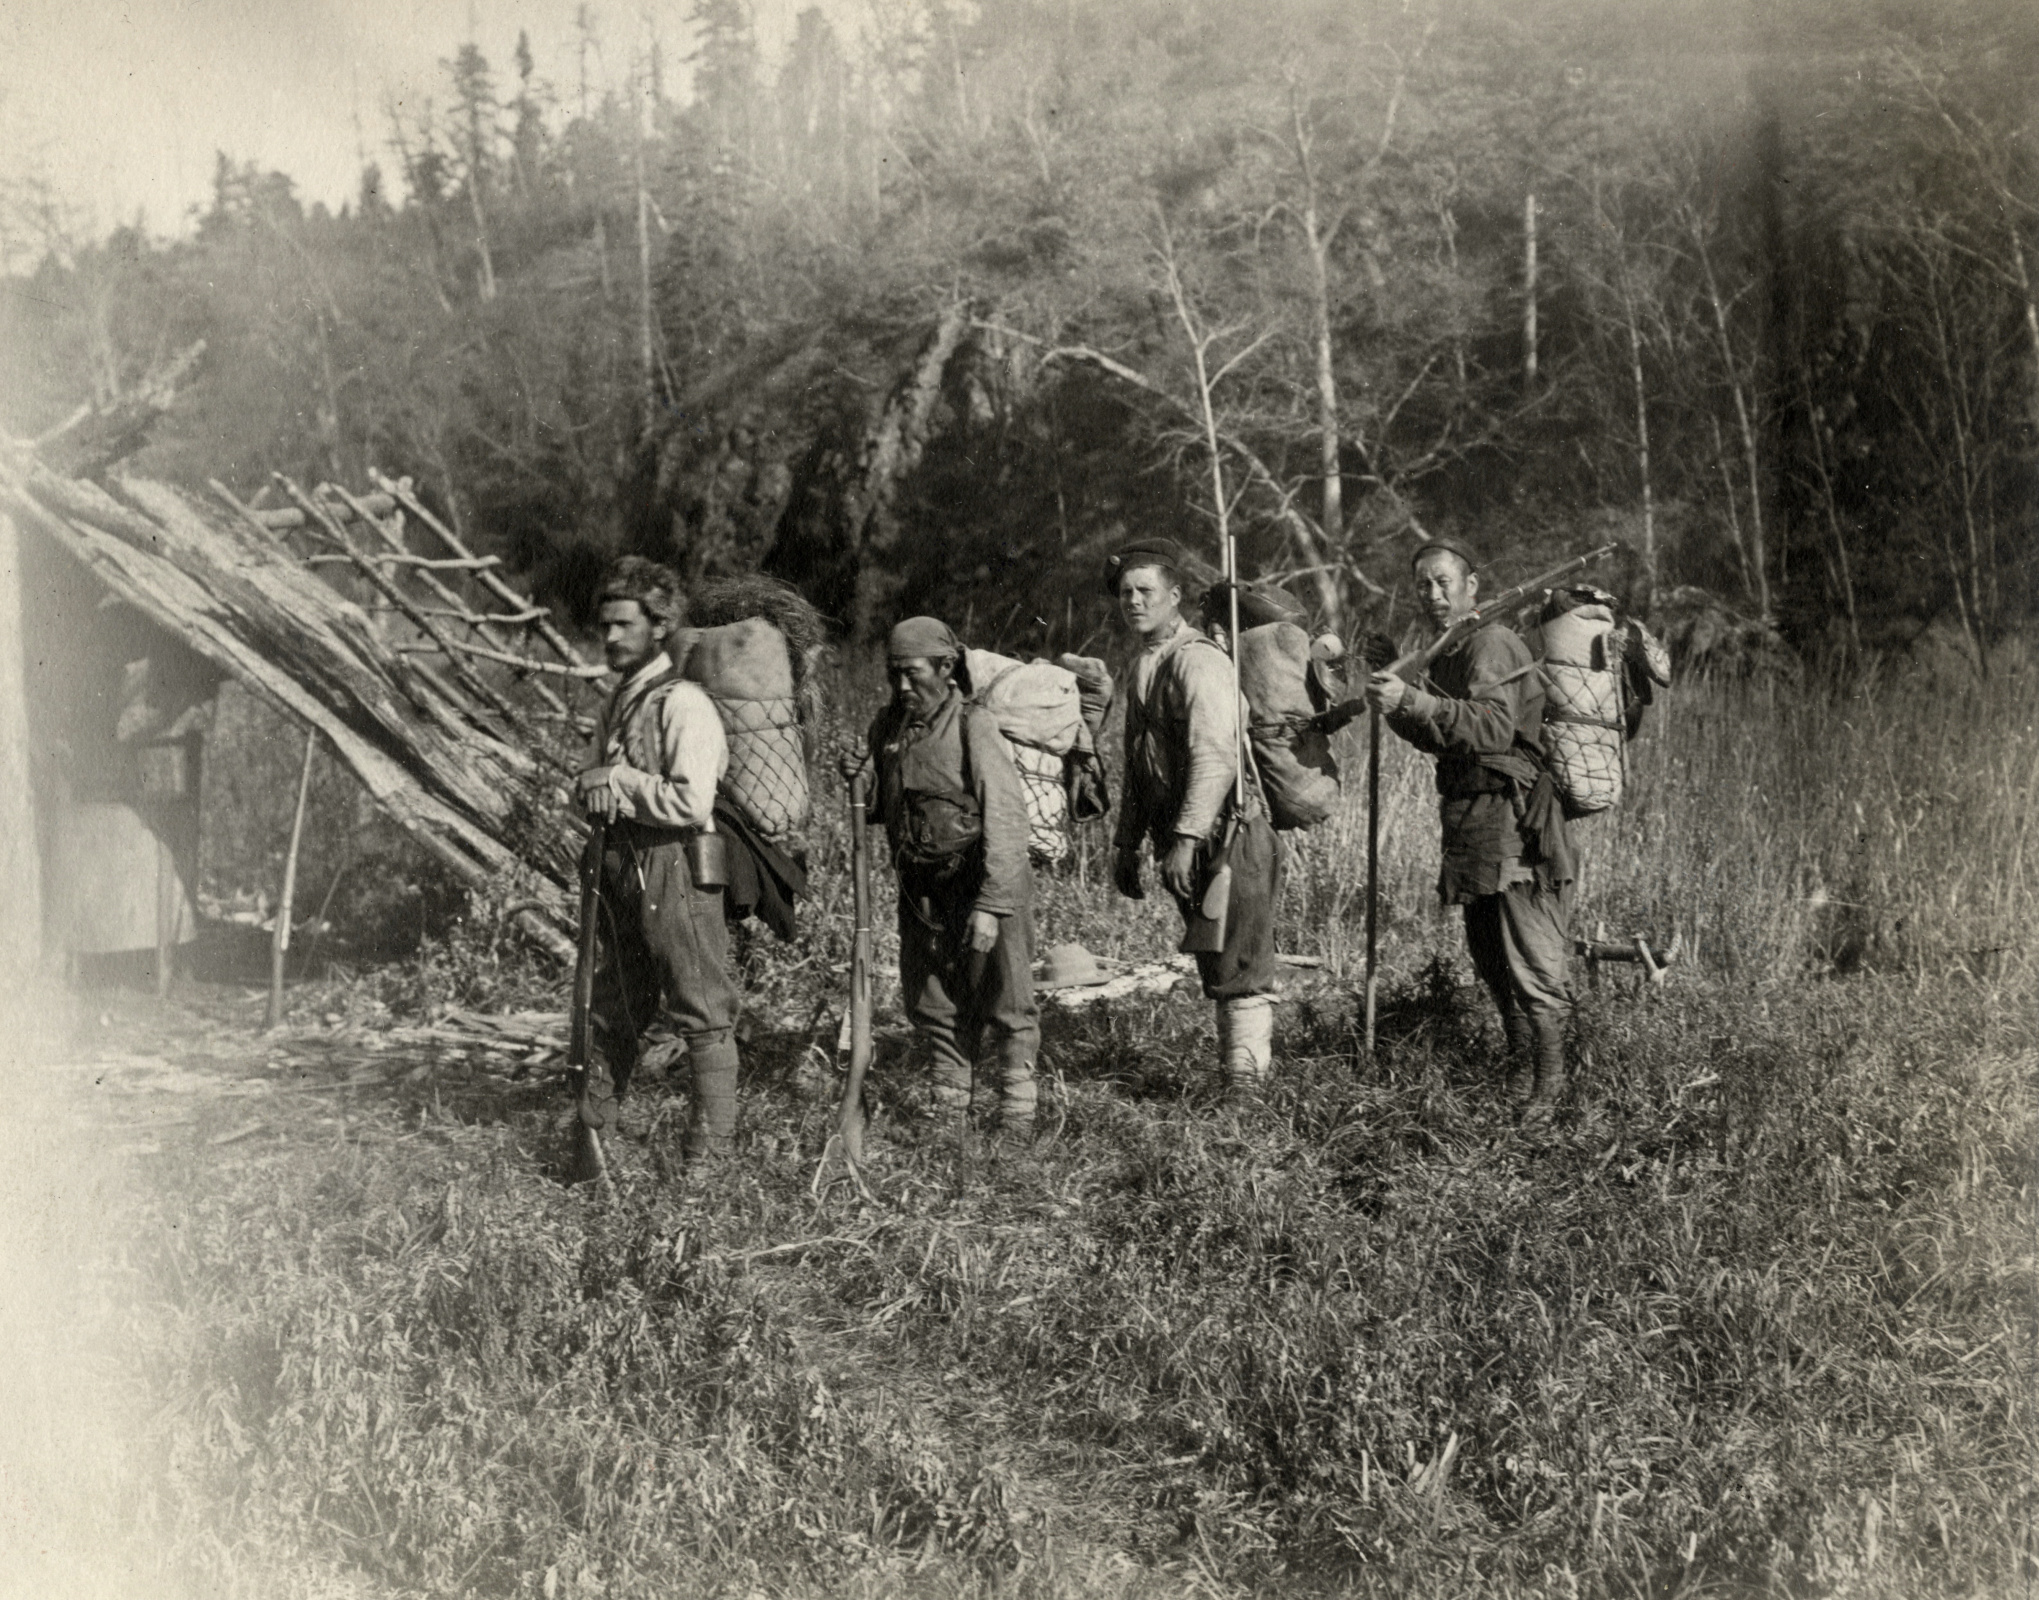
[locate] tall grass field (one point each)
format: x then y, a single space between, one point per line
1753 1316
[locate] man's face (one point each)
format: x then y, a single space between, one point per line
1445 587
1149 603
629 638
920 685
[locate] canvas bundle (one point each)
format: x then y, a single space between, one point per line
748 672
1038 706
1298 773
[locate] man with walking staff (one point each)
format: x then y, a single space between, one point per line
956 818
1507 854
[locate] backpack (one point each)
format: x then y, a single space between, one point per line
747 669
1594 692
1284 685
1044 709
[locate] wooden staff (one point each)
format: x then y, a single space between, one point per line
1373 864
279 942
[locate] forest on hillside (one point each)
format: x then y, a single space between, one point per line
924 313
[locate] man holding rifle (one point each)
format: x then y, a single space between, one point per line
956 817
649 793
1184 797
1507 856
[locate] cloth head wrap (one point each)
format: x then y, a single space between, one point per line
922 638
1457 547
1142 553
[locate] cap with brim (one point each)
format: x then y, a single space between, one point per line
921 638
1141 553
1070 966
1457 547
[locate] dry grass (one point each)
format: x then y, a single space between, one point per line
1754 1317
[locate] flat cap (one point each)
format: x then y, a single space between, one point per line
1444 541
921 638
1141 553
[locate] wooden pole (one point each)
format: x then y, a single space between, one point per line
1529 291
166 916
1373 864
279 943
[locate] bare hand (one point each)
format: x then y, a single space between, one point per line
598 798
1126 873
1385 691
983 931
1178 869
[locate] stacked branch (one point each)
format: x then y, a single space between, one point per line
447 756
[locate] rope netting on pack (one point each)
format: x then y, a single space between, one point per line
1041 780
1582 709
767 777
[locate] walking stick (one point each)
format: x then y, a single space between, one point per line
1373 863
590 1157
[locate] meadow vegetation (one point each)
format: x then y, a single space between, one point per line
1754 1316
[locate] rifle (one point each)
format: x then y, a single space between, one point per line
589 1157
848 1133
1417 661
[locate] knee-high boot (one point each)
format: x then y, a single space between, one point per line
711 1120
1521 1083
1245 1041
1549 1029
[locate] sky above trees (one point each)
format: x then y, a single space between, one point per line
121 108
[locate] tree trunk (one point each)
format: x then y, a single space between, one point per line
2031 309
1751 448
1529 291
1642 450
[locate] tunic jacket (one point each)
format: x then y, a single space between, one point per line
1484 723
926 756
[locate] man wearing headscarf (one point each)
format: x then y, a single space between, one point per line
1507 856
659 753
1183 798
956 817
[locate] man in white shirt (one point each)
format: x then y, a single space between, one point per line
1183 800
659 753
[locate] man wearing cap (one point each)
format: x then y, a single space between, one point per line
956 817
1182 798
1507 857
659 753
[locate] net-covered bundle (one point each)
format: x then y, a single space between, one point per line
1582 723
1038 706
1041 775
755 648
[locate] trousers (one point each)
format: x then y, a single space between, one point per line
664 946
1244 964
959 999
1521 944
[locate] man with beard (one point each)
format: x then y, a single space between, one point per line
659 753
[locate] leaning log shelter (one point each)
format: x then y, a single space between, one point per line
364 616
